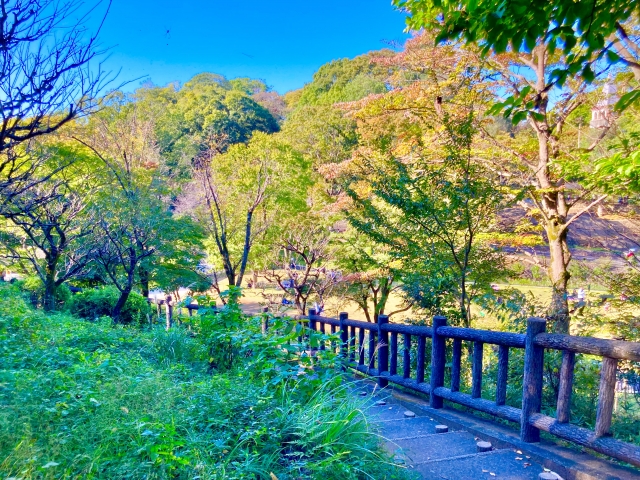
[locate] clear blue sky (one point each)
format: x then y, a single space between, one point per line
280 41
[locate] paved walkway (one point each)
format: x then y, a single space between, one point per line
411 438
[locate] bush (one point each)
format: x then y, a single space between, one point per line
94 400
98 302
34 287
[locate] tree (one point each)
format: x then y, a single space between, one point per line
583 31
370 274
49 220
417 183
301 266
136 234
46 74
245 191
546 81
208 106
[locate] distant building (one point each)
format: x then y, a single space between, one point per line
602 113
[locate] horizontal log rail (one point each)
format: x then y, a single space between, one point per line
592 346
507 339
416 358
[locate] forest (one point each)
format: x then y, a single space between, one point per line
487 170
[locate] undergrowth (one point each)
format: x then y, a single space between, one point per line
90 400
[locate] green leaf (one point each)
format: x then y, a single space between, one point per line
612 56
627 100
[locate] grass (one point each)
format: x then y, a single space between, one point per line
93 400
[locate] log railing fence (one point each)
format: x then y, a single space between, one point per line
383 350
169 305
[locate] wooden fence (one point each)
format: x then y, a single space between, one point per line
383 350
169 306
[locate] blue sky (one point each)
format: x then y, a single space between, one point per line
282 42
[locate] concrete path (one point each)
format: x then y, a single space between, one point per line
411 438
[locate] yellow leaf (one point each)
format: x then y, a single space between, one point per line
273 477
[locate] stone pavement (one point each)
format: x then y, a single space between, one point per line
410 436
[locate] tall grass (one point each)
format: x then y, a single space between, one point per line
93 400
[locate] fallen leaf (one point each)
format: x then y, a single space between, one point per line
518 458
124 409
492 474
273 477
485 471
518 452
50 464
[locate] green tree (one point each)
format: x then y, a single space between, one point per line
583 31
47 222
536 59
246 190
369 275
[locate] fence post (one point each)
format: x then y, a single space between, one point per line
383 350
312 319
265 320
532 380
438 361
344 335
169 304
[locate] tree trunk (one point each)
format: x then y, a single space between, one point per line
49 300
143 273
558 273
247 247
117 309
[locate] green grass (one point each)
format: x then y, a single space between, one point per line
91 400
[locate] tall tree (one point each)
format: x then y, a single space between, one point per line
546 76
245 191
417 183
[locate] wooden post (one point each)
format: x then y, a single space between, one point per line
606 396
563 409
332 329
532 380
476 370
344 335
406 355
265 320
169 304
503 374
372 349
455 365
312 319
393 354
352 344
422 343
361 346
383 350
438 361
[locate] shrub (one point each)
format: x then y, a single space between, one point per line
34 287
98 302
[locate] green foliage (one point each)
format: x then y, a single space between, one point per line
93 400
98 302
35 288
429 210
581 30
346 80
